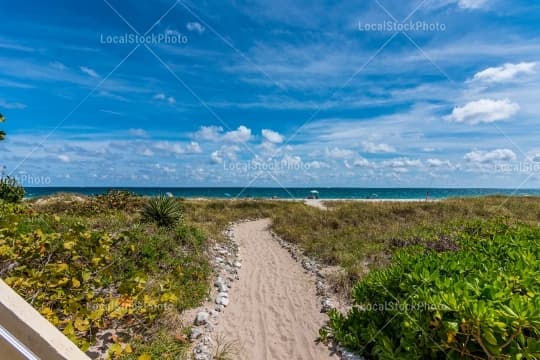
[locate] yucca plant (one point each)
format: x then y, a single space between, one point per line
164 211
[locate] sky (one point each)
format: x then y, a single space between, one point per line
370 93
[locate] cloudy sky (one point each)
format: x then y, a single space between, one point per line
374 93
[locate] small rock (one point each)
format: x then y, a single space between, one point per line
195 333
202 318
327 305
222 299
238 264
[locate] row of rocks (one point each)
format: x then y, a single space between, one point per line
321 285
226 263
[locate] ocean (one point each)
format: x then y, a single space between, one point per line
291 193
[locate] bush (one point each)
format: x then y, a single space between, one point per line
481 302
85 281
10 190
164 211
118 200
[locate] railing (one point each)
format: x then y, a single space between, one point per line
26 335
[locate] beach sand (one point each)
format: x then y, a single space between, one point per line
274 311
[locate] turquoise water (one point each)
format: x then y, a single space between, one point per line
295 193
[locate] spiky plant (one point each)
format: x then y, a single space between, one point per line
164 211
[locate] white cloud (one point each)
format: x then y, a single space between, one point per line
90 72
402 163
484 111
272 136
194 148
373 148
64 158
240 135
208 133
216 158
472 4
195 26
361 162
506 72
488 157
162 97
215 133
147 152
438 163
171 148
166 169
138 133
229 152
337 153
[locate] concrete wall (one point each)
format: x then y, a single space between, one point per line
32 331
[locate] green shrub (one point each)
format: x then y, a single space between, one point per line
118 200
10 190
164 211
84 281
480 302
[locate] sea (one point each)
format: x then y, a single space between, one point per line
290 193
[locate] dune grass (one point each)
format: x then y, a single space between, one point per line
358 236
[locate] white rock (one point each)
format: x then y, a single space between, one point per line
202 318
222 299
195 333
238 264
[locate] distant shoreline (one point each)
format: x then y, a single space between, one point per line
325 194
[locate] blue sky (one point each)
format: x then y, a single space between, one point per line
271 93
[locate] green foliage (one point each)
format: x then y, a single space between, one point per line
480 302
79 205
162 346
164 211
118 200
357 235
2 133
84 280
10 190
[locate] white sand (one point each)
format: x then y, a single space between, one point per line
274 311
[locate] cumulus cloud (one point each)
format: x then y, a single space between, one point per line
216 133
272 136
373 148
195 26
507 72
240 135
484 111
193 148
90 72
489 157
229 152
208 133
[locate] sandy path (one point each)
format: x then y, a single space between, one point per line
274 312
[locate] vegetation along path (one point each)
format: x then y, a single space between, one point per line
274 311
